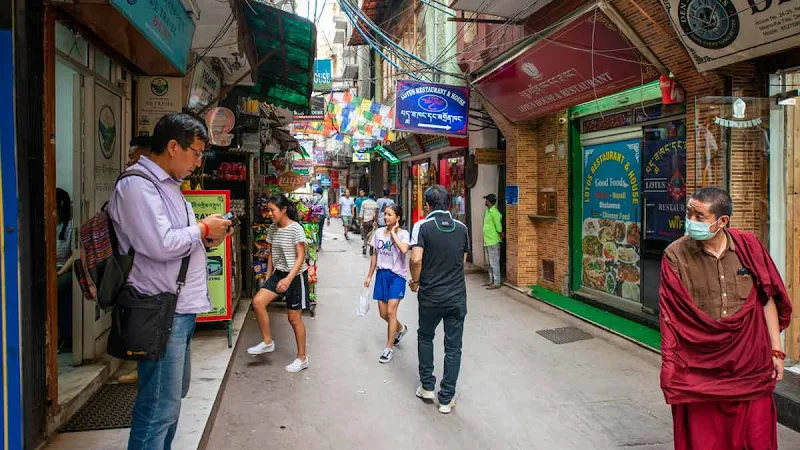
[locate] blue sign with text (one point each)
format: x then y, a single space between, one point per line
664 184
512 195
432 108
164 23
323 75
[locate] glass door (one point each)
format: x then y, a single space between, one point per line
664 191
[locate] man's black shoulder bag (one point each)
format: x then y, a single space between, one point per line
141 324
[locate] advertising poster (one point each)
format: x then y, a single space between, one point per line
155 98
665 188
218 260
204 87
612 231
323 75
431 108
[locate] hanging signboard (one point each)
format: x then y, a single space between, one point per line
490 156
164 23
431 108
611 218
362 157
548 75
204 87
323 75
220 122
386 154
664 188
218 260
155 98
717 33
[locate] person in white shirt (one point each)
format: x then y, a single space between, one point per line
348 207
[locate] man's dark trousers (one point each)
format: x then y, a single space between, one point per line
429 318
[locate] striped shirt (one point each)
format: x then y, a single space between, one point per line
284 246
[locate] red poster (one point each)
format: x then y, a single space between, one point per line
559 71
335 179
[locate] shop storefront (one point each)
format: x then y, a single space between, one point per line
629 196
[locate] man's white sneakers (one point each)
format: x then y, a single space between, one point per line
297 365
446 408
260 348
425 394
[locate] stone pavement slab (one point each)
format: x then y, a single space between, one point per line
516 389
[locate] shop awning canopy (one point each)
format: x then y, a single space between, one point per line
281 47
503 8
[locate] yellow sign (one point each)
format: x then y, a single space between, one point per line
362 157
490 156
218 260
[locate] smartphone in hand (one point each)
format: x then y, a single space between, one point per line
234 220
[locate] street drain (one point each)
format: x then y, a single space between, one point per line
111 407
564 335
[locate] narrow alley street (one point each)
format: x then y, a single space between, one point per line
516 390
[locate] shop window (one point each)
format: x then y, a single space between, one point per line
104 66
72 44
549 270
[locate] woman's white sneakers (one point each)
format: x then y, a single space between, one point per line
386 356
297 365
261 348
399 336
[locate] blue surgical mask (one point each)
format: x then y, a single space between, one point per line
700 231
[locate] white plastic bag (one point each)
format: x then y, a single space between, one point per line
363 304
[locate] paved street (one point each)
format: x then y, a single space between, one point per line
517 389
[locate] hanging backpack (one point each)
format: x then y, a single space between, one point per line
102 270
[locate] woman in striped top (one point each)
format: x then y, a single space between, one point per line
289 277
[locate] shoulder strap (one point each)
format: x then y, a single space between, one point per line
112 233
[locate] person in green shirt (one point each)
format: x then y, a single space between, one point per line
493 236
359 200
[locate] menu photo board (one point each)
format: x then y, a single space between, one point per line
611 228
218 260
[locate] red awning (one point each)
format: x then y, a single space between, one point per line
565 68
374 9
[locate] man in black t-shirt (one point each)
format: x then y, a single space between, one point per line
440 245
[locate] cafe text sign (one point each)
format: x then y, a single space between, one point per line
556 72
717 33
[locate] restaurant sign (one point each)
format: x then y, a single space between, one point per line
431 108
556 72
717 33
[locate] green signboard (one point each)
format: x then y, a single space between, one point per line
218 260
387 154
164 23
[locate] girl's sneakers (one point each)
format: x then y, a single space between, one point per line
386 356
399 336
297 365
260 348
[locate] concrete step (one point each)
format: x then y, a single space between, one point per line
787 400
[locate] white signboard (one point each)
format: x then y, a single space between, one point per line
717 33
155 98
204 88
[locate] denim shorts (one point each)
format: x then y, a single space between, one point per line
389 286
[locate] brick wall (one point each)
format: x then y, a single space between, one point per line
529 242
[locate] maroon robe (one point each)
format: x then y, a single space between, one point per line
717 374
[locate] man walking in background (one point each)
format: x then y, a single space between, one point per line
369 215
348 207
139 146
492 239
722 308
440 245
383 203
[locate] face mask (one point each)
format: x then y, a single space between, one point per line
700 231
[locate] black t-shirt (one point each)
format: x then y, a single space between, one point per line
445 241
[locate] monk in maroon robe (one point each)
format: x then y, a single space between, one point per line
723 305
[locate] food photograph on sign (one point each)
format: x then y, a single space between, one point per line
612 232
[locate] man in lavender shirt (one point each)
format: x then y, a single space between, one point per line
156 220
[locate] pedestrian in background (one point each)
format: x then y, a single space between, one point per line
154 218
288 276
383 203
722 308
369 216
359 200
390 244
139 146
439 251
348 207
493 237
